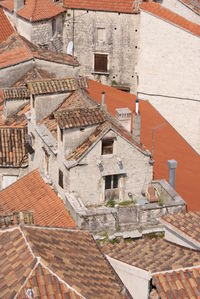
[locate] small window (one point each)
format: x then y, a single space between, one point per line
61 135
107 146
100 62
101 35
53 27
111 181
60 179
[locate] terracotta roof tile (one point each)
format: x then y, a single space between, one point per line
16 263
79 117
32 193
46 285
187 224
194 5
6 28
124 6
14 93
17 49
35 10
183 284
8 4
154 255
74 256
168 15
12 147
50 86
17 119
187 173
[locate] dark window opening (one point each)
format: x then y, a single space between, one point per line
61 135
53 27
60 180
107 146
100 62
111 181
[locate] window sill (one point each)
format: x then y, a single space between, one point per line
101 73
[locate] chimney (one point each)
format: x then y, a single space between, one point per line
18 4
103 100
124 117
136 122
172 165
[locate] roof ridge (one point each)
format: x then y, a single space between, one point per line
60 279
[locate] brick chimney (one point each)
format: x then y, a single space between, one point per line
18 4
124 117
136 123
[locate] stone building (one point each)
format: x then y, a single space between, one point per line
92 160
105 37
169 81
40 22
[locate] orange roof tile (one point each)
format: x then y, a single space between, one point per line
124 6
168 143
6 28
32 193
168 15
177 284
17 49
35 10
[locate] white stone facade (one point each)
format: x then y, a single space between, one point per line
169 74
111 33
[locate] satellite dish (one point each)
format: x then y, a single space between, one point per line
70 48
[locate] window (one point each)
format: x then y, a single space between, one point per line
60 179
100 62
53 27
107 146
61 135
111 181
101 35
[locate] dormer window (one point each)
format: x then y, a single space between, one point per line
107 146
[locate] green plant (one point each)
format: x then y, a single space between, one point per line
68 14
160 201
110 203
127 202
118 228
114 82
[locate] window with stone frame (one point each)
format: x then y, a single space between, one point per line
107 146
60 179
101 63
53 27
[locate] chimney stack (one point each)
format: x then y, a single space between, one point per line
124 117
172 165
103 98
18 4
136 122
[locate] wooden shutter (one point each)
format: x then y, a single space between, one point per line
100 62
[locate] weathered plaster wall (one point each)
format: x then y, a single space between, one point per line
136 172
19 172
9 75
13 106
121 43
169 68
182 9
136 280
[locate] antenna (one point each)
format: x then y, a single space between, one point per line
70 48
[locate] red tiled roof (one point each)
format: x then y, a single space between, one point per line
168 143
32 193
6 28
168 15
194 5
35 10
124 6
8 4
177 284
17 49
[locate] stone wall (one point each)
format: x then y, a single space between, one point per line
125 221
18 172
119 41
169 68
181 9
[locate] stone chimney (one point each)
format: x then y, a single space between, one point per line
136 123
172 164
18 4
123 115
